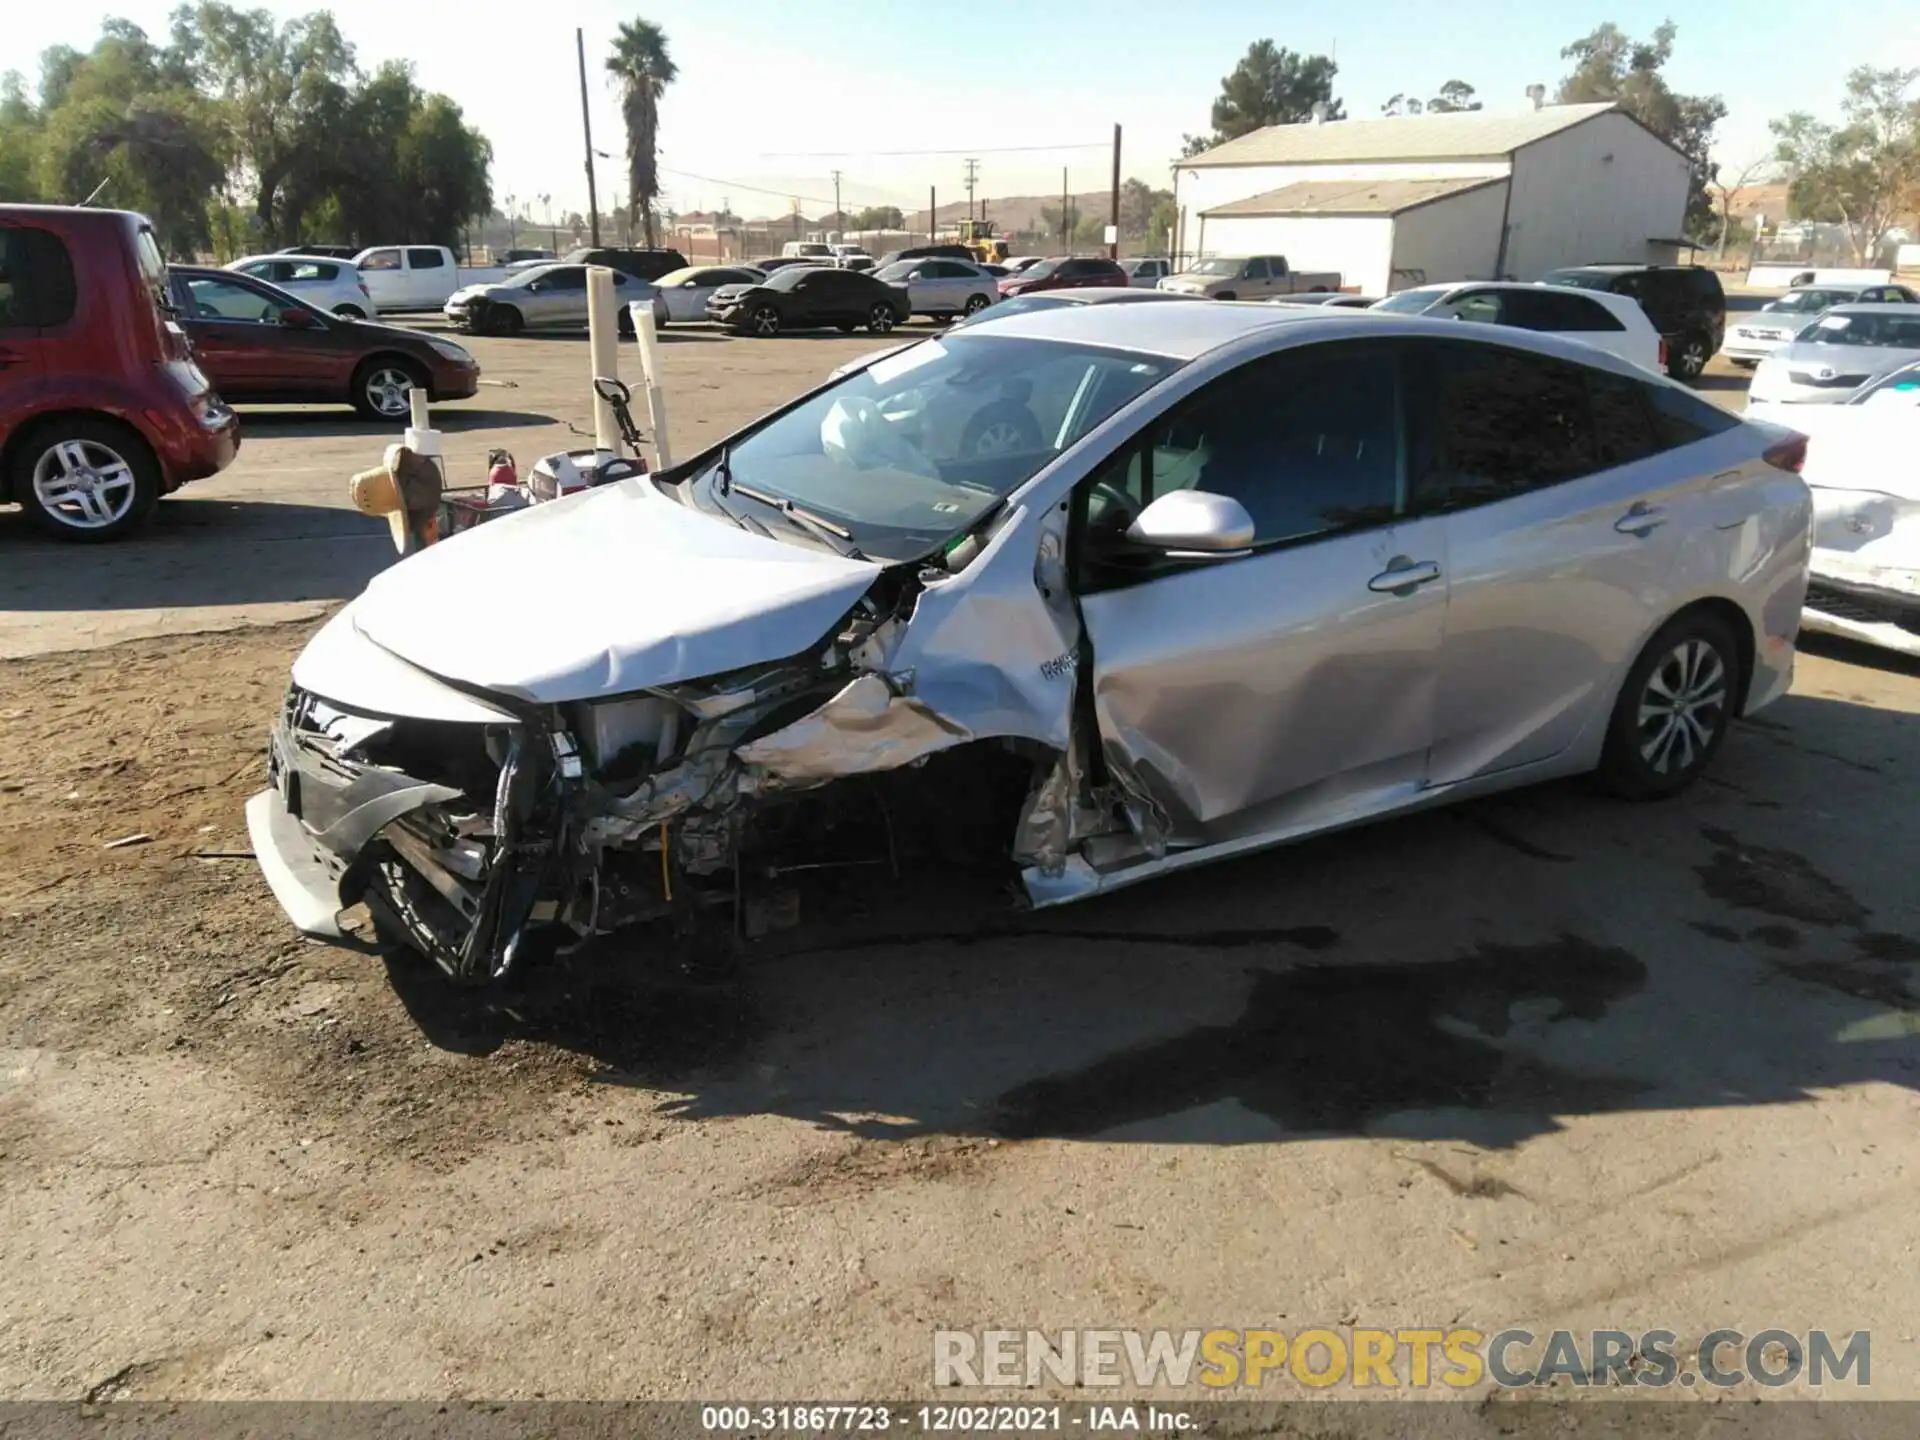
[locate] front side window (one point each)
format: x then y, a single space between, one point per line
568 277
1485 307
225 300
1492 423
381 260
1256 270
1408 302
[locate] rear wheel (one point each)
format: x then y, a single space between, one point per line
977 303
382 387
1688 357
85 479
1673 712
1226 295
880 319
350 312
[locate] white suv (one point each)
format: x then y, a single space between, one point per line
333 285
1605 321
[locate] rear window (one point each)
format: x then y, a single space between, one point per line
36 278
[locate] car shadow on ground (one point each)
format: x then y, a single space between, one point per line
1737 380
321 420
197 552
1473 974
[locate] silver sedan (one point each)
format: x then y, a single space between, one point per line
550 295
680 296
1238 576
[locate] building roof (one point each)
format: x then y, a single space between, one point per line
1454 135
1352 197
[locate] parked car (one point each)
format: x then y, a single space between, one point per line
815 250
1146 271
1685 302
1327 299
852 257
942 288
925 252
102 408
408 277
1847 347
1017 263
525 256
262 345
682 295
539 299
1066 272
330 252
810 297
1253 277
1865 581
641 264
1751 338
332 285
770 263
1609 322
1280 573
999 272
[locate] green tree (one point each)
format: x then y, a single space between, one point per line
1273 86
642 68
19 140
1610 66
1454 96
1052 228
880 217
1864 173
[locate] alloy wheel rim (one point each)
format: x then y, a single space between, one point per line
1682 707
84 484
766 322
1695 357
976 304
388 390
882 319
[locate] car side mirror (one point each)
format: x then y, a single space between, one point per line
535 286
296 320
1193 525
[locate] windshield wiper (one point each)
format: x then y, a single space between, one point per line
721 478
840 539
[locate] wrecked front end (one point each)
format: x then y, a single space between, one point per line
690 808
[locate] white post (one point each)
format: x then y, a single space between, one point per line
603 344
643 329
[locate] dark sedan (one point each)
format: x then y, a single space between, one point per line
259 344
806 297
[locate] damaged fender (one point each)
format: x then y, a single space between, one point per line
864 728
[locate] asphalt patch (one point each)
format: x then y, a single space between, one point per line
1774 882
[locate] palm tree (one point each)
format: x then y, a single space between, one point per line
639 62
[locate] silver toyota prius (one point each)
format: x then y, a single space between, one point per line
1145 585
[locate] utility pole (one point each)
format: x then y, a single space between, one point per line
1113 250
973 171
933 210
586 130
839 215
513 232
1066 222
553 240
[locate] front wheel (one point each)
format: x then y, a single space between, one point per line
382 388
880 319
506 320
1687 359
1673 712
766 322
85 479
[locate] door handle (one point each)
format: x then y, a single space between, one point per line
1641 520
1403 576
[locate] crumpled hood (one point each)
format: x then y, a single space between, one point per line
614 590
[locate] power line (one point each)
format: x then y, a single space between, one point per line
965 150
737 185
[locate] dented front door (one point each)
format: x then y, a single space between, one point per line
1295 684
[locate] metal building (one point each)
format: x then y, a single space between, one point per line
1465 195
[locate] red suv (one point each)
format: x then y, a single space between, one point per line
102 409
1066 272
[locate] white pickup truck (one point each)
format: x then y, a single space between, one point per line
417 277
1244 277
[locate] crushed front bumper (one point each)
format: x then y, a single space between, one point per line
1864 575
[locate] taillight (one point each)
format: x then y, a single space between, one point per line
1790 454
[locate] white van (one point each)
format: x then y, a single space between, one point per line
807 250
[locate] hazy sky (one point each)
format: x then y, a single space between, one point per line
776 94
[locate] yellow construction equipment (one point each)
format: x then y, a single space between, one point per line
978 236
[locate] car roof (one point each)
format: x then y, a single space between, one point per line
1873 307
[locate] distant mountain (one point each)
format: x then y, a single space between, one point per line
1011 213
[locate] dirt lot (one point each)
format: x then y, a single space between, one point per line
1542 1061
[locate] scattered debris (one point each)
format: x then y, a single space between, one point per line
126 840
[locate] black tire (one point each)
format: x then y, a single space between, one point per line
764 322
350 312
1688 357
1226 295
373 386
505 320
881 319
977 303
118 489
624 326
1653 749
1004 427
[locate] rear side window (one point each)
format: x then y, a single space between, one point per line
1492 423
1562 314
312 270
1680 418
1623 429
36 278
425 259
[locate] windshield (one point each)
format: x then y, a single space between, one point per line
1411 302
1014 305
1040 269
677 277
1579 279
1215 267
520 279
788 276
1896 332
899 270
917 447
